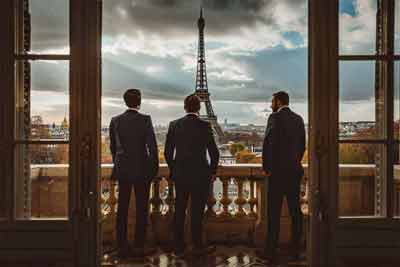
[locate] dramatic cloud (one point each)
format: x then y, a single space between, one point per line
50 25
177 18
357 27
253 48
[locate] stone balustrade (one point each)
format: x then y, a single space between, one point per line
235 211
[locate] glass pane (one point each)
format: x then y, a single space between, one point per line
49 26
361 106
357 27
42 181
43 100
396 115
396 202
361 180
397 28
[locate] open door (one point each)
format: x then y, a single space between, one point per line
354 134
369 229
49 132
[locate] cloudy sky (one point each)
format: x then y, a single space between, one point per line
253 48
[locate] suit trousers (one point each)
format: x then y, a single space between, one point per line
198 192
142 190
279 187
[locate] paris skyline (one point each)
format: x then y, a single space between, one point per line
252 50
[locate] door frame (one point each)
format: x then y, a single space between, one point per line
74 241
85 159
323 131
373 238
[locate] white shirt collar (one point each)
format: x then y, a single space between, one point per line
192 113
284 106
135 109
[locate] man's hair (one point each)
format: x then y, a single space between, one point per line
192 103
132 98
283 97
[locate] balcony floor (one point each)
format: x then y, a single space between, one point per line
238 256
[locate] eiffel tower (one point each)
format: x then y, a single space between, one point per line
201 81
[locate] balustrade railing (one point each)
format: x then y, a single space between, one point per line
235 210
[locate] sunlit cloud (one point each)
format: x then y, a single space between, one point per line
357 30
253 48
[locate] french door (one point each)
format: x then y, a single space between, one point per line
50 125
354 132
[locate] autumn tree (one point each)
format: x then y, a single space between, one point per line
161 157
235 148
359 153
245 156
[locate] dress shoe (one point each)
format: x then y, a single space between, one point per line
271 258
296 257
140 252
123 253
179 251
168 249
203 250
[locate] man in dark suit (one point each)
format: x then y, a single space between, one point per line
188 140
283 150
135 155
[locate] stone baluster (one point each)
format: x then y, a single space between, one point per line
211 201
252 199
240 200
225 200
103 200
112 201
304 196
170 201
261 223
155 216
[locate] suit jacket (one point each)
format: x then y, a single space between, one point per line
139 160
284 143
188 140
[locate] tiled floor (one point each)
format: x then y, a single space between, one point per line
239 256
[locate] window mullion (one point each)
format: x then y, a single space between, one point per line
42 142
389 12
362 57
42 57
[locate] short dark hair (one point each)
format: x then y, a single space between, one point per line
132 98
282 96
192 103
